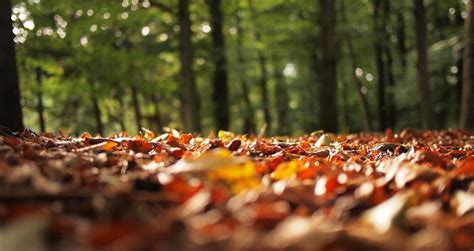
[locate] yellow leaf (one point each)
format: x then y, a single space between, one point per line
286 170
233 171
219 165
225 134
110 146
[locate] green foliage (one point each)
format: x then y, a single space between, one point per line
101 49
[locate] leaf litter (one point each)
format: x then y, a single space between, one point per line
177 191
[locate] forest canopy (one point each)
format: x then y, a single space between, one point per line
293 66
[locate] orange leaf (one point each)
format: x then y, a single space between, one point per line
466 169
109 146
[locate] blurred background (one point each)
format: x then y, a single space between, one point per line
295 65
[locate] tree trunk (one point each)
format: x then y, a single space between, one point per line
121 115
262 62
249 117
221 90
345 108
364 107
157 116
136 108
379 36
96 110
328 90
467 105
282 102
391 107
402 47
10 108
189 95
422 66
40 106
311 123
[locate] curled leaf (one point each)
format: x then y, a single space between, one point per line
324 140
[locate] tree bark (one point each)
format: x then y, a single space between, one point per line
249 118
136 108
157 116
310 91
422 65
221 90
189 94
262 62
328 90
379 36
345 108
10 108
364 107
401 35
391 107
39 94
120 118
96 110
467 105
282 102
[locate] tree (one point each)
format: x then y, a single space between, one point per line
402 48
40 105
364 107
391 108
379 36
136 107
10 109
249 117
422 65
158 122
466 119
96 109
220 85
328 90
282 100
189 95
262 63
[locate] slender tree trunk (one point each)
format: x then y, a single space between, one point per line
402 47
422 66
467 105
249 117
262 62
379 36
345 107
440 20
282 102
221 89
157 116
311 91
136 108
391 107
328 90
10 108
121 115
364 107
97 112
190 97
458 88
39 94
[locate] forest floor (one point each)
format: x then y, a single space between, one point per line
371 191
